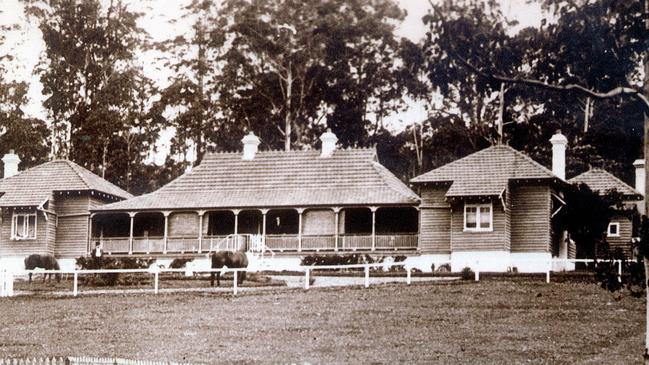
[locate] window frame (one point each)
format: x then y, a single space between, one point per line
477 228
617 230
14 223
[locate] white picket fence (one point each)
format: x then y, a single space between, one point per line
7 277
82 361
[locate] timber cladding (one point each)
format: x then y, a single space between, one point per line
623 241
43 244
494 240
530 218
183 224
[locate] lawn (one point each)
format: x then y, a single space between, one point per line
499 320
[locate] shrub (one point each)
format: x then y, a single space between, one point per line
351 259
111 279
467 274
444 268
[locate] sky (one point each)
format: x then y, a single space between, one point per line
27 44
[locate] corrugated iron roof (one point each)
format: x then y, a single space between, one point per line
34 186
486 172
278 179
602 181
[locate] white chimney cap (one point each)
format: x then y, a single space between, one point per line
328 143
11 161
638 163
559 138
250 144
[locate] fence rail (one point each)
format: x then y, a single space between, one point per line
7 277
82 361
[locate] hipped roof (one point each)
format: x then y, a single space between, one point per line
602 181
33 187
278 179
486 172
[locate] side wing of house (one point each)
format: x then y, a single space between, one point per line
619 234
434 222
530 218
25 231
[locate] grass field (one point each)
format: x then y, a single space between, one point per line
495 321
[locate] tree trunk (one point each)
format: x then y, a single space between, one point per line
646 206
288 118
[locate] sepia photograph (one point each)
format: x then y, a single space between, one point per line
188 182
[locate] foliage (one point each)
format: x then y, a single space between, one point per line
596 44
103 262
586 215
282 68
350 259
97 96
467 274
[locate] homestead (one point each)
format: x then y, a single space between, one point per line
494 210
331 200
620 228
45 209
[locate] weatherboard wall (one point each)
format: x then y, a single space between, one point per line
623 241
530 218
72 232
434 222
11 247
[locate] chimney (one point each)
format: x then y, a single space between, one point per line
11 161
639 175
250 144
328 143
559 142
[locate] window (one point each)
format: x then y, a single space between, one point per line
477 217
23 226
613 229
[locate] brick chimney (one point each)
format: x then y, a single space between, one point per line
11 161
639 175
328 143
559 142
250 144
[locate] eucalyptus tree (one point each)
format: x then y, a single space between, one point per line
91 80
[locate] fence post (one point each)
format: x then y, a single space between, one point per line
75 288
155 288
477 274
306 279
408 278
547 273
235 282
619 271
367 276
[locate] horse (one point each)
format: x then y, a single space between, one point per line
47 262
232 260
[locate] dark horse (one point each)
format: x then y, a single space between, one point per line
233 260
47 262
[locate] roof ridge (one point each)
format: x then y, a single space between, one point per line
380 169
529 159
74 166
617 179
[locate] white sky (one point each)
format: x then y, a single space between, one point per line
28 45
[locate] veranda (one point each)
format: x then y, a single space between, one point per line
313 229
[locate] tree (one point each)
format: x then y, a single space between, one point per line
606 71
95 91
288 64
478 59
26 136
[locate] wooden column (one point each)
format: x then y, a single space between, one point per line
263 224
130 233
236 221
201 213
165 239
336 229
90 248
374 209
299 228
